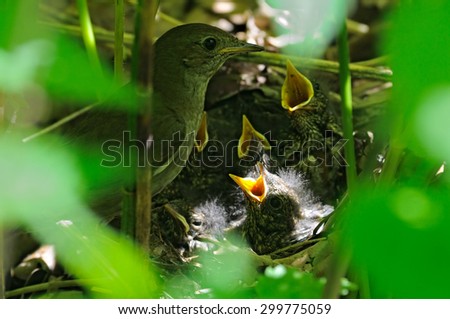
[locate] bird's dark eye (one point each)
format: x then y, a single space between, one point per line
197 223
275 203
210 43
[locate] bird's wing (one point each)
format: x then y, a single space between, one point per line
166 173
172 145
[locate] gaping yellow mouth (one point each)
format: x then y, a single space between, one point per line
254 188
249 134
297 90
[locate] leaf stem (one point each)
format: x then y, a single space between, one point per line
118 39
87 34
2 263
346 108
341 259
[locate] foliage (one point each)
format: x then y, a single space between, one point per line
395 224
41 189
398 228
279 282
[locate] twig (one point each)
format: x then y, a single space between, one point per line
100 33
59 123
50 286
357 27
128 202
169 19
380 60
295 247
142 74
357 71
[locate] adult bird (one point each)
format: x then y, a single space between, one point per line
281 211
186 57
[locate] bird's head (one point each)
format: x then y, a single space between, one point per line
199 48
280 209
269 195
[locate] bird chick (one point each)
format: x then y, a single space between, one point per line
317 142
179 230
281 210
208 221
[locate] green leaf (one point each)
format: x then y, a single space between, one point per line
72 77
21 66
431 122
226 273
307 27
399 236
417 43
40 189
287 283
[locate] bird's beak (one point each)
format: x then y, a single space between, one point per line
254 188
241 47
297 90
249 134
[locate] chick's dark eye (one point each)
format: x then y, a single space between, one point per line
197 223
210 43
275 203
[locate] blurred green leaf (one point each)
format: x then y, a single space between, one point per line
431 122
400 237
59 64
226 274
72 76
18 23
417 43
21 66
347 287
282 282
40 190
398 231
307 27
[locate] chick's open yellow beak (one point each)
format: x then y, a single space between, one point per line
249 134
254 188
297 90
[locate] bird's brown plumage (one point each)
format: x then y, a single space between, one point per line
186 57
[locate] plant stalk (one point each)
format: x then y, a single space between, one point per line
118 40
142 75
87 33
346 108
279 60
